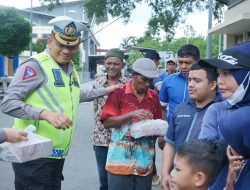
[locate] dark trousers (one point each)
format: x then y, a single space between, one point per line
154 165
40 174
101 158
129 182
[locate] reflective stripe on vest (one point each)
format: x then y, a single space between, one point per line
52 98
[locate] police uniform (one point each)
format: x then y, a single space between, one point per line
40 84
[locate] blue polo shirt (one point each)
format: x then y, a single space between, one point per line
174 90
210 131
209 128
164 75
155 82
186 123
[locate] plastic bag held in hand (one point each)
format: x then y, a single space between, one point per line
149 127
36 147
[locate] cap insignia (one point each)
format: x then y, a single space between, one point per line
70 29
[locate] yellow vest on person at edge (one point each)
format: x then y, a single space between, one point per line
60 93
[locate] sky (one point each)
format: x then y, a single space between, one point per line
112 36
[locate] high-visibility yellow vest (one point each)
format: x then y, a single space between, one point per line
60 93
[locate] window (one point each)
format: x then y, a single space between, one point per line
45 36
239 39
34 35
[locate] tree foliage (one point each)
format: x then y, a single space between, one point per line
76 59
40 45
174 45
128 42
166 14
14 32
50 3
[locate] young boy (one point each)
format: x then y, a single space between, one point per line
196 164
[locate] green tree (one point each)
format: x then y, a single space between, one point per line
174 45
14 32
133 55
199 41
217 45
40 45
128 42
166 14
51 3
76 59
150 42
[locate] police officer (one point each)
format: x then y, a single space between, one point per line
45 92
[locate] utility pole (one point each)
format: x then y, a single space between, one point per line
31 11
187 31
86 48
209 37
219 49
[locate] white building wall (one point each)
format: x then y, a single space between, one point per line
242 7
40 31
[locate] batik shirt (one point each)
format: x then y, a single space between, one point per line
101 136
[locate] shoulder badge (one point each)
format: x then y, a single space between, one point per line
28 73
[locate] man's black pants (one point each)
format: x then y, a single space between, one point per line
40 174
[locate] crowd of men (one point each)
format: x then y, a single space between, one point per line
204 101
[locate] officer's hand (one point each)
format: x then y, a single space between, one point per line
14 135
111 88
57 119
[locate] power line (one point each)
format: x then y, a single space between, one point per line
102 28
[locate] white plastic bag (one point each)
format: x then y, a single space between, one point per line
150 127
36 147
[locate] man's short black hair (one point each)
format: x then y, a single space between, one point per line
153 55
211 72
189 50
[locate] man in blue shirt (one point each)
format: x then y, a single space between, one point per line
188 116
171 69
174 88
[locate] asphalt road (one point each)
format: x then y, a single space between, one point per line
80 171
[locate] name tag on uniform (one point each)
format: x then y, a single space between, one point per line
183 116
58 78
